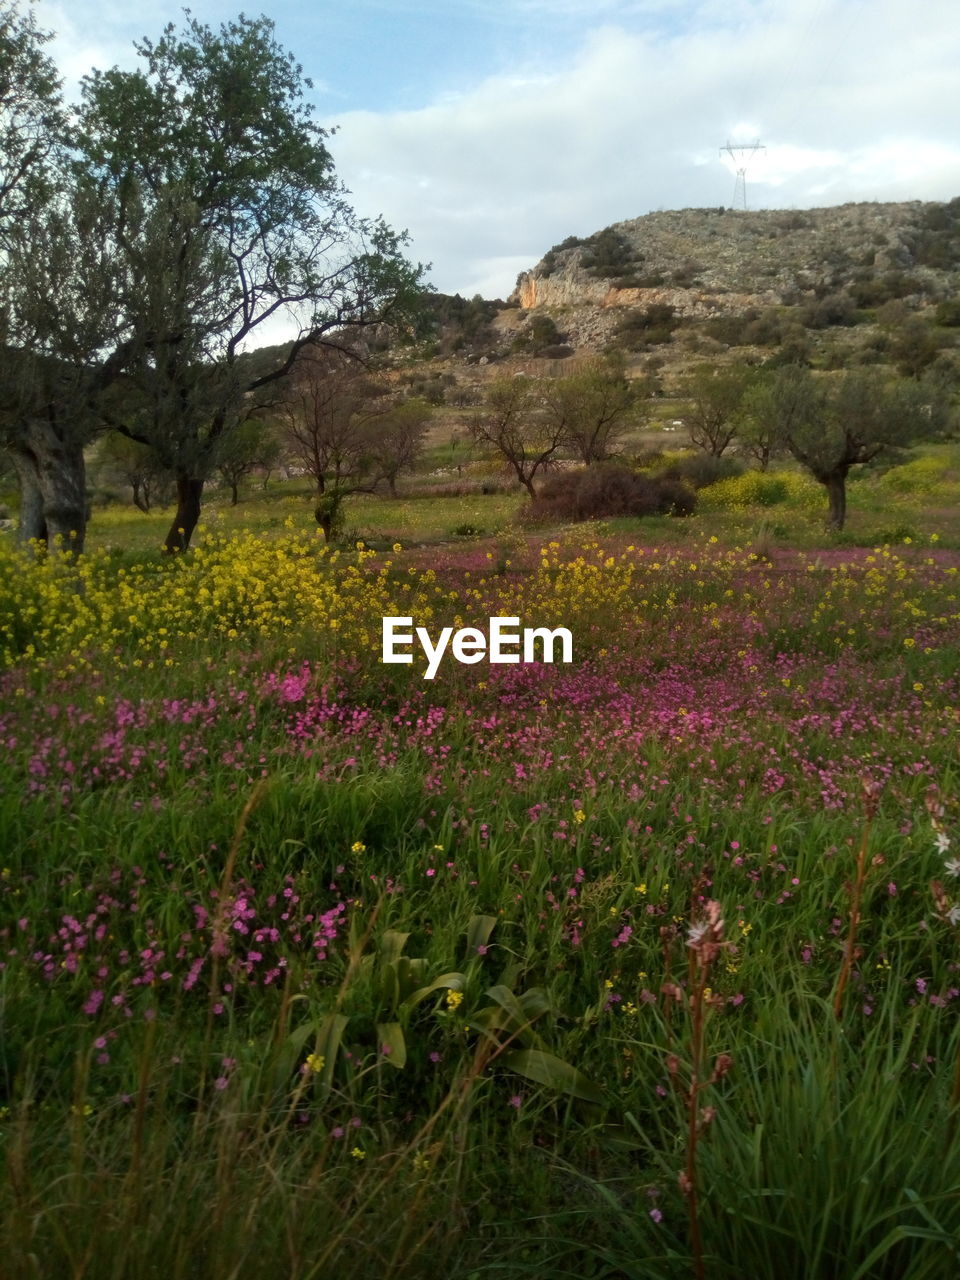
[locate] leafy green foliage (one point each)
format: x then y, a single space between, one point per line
231 212
651 326
609 255
32 117
460 324
714 397
852 419
592 407
538 336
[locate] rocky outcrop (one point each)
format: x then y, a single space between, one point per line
704 262
566 291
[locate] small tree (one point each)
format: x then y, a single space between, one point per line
914 347
512 423
328 412
756 430
396 436
715 396
591 407
124 460
249 448
850 422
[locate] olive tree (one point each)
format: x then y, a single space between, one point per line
229 216
32 116
62 353
832 424
46 349
592 407
715 397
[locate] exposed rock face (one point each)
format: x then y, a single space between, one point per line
567 287
567 290
704 262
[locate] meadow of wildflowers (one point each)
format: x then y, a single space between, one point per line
645 966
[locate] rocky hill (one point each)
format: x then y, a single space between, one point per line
706 263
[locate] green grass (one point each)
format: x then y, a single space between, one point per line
494 876
917 501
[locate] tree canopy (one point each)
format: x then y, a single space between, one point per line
230 214
831 424
217 210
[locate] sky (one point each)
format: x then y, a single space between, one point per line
493 129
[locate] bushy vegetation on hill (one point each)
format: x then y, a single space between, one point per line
607 489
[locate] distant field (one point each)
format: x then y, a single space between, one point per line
919 500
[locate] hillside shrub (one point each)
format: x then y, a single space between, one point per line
750 328
824 313
609 255
926 476
948 313
762 489
649 327
608 489
873 291
698 470
549 262
540 336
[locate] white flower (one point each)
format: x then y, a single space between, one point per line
952 866
953 915
943 842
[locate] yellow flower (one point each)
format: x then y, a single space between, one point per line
315 1062
454 999
358 847
358 1153
579 816
397 546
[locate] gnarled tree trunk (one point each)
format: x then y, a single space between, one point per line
52 474
189 493
33 526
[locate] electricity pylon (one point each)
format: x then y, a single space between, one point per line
741 153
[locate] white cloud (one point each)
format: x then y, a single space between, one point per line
855 102
611 108
78 46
